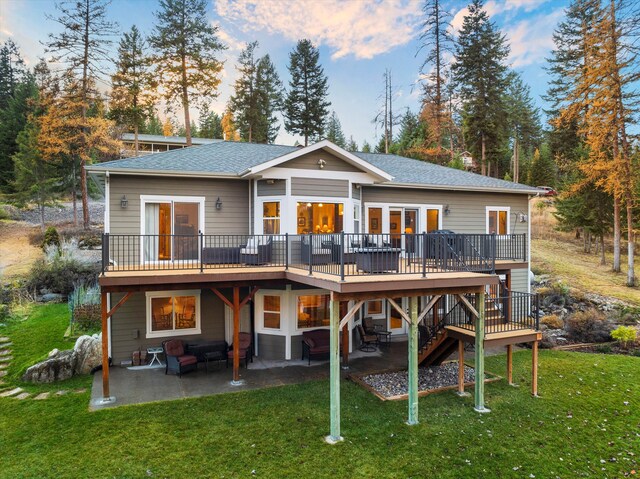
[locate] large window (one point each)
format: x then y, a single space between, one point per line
320 217
271 217
271 311
433 219
498 221
173 313
171 228
312 311
375 220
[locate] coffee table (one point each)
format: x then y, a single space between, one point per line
213 356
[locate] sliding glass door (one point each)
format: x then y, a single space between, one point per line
171 230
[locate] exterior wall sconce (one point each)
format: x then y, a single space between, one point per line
124 202
321 163
218 203
446 210
523 218
271 182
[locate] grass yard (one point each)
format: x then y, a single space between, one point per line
586 424
32 340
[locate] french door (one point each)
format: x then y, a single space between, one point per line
171 230
403 223
395 323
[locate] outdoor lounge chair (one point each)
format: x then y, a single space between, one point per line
177 361
368 341
371 328
318 253
256 251
244 349
316 344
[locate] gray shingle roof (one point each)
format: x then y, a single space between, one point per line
177 140
234 158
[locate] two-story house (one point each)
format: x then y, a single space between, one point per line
205 242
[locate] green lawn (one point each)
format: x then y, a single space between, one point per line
586 424
33 339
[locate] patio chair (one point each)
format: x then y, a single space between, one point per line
368 341
244 349
177 361
316 253
371 328
256 251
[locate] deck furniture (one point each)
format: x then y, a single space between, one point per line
155 358
244 349
367 340
315 344
315 254
220 255
213 356
377 259
371 328
178 361
256 251
200 348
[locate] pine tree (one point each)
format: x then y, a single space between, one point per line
210 123
481 75
153 126
412 136
366 147
245 99
352 146
133 90
542 170
270 100
12 70
186 46
436 39
306 105
333 131
83 44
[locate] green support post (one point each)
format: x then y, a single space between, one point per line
334 371
479 363
413 362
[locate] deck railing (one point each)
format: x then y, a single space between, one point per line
512 312
338 254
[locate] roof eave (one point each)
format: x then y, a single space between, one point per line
487 189
155 172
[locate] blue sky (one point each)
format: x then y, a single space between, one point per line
358 40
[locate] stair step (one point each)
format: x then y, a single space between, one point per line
5 359
22 396
42 396
11 392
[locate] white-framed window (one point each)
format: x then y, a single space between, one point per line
357 211
375 308
498 220
272 311
312 310
271 217
170 227
173 313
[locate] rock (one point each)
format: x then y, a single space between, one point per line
53 353
50 298
58 367
89 353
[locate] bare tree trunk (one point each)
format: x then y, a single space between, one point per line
185 102
74 194
85 86
631 277
617 235
603 258
483 167
42 215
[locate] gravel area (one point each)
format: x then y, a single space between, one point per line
434 377
63 213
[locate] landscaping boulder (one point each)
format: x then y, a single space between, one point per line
89 352
61 365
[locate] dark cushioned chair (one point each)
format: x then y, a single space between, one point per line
367 340
315 344
177 361
244 349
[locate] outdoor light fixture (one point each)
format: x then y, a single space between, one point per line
321 163
218 203
124 201
522 217
446 210
270 182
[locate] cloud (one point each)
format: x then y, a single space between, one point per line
358 28
494 8
524 49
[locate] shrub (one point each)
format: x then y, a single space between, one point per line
85 308
61 274
590 326
51 238
4 214
604 349
629 316
552 321
626 335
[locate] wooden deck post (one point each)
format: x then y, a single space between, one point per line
105 350
510 364
479 362
236 335
461 391
413 361
334 370
534 369
344 306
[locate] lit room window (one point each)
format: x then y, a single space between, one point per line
271 217
173 313
375 220
433 219
272 312
320 217
313 311
498 221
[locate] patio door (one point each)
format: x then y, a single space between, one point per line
395 323
403 223
171 230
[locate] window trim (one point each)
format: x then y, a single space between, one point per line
381 315
279 218
296 295
489 209
263 311
149 295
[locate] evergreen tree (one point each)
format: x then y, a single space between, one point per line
210 124
306 105
270 100
333 131
186 47
229 130
366 147
411 138
153 125
84 45
12 70
352 146
542 171
133 85
481 75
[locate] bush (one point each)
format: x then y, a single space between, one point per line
604 349
626 335
85 308
590 326
552 321
51 238
4 214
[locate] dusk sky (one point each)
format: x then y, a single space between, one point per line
357 41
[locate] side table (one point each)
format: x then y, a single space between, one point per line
155 352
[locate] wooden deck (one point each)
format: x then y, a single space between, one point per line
495 335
